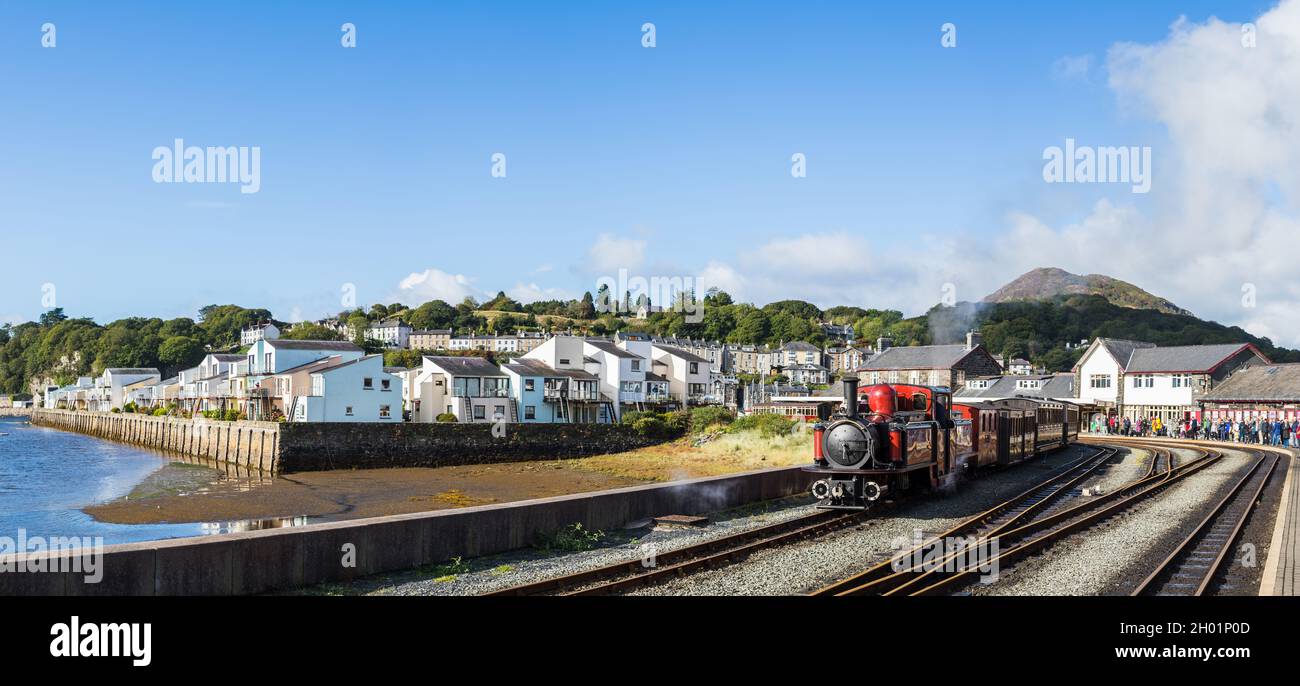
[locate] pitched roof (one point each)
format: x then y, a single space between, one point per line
465 366
1184 358
800 346
1050 386
324 361
286 344
527 366
684 354
349 363
918 357
1265 382
227 357
1122 350
607 346
128 371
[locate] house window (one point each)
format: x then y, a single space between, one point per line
268 363
480 412
695 367
530 412
348 411
564 360
1099 380
386 384
636 365
385 412
530 384
499 412
368 383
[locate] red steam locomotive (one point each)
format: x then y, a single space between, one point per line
894 438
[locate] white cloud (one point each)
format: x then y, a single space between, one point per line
1072 68
531 292
435 284
610 253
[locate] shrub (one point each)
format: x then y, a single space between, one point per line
704 417
572 538
678 422
116 410
768 425
160 412
232 415
651 427
635 415
446 417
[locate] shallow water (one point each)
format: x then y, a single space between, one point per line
47 476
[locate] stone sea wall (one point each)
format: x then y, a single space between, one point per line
294 447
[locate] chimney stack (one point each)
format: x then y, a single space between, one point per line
973 338
850 385
883 344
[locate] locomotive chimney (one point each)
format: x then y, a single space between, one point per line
850 385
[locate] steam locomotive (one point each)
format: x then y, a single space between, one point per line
893 438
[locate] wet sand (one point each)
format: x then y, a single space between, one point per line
186 493
354 494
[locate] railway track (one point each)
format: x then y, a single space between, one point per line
1000 517
1197 560
916 573
633 573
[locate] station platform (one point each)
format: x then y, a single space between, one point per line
1282 569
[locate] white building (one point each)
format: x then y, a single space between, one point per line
687 374
1140 380
470 388
391 333
258 332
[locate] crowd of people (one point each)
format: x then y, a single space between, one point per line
1258 431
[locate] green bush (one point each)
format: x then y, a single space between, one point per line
572 538
678 422
160 412
704 417
768 425
116 410
446 417
652 427
232 415
635 415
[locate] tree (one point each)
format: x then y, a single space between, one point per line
434 314
180 352
52 316
310 331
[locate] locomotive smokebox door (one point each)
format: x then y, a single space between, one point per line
849 444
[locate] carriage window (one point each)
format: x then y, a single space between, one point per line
919 402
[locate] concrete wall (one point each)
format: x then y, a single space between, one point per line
254 445
260 561
311 446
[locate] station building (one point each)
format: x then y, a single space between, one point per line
1261 392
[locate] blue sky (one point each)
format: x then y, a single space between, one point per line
375 160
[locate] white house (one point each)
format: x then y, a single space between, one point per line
109 390
258 332
355 391
687 374
622 374
569 354
1135 379
471 388
391 333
